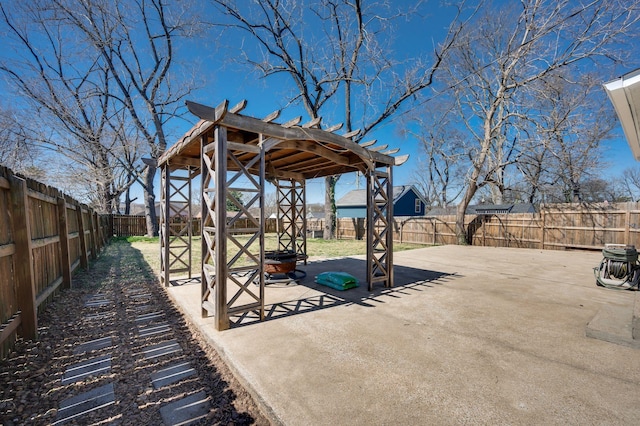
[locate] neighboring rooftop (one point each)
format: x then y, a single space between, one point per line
485 209
358 197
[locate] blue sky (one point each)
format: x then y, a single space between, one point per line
221 78
412 37
232 81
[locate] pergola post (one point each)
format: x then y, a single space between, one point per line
231 263
379 227
291 202
165 179
176 219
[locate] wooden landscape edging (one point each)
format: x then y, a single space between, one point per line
44 237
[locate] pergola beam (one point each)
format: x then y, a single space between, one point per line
288 133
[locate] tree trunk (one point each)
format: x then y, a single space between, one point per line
330 208
149 202
461 233
127 201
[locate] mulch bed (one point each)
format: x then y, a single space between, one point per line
31 388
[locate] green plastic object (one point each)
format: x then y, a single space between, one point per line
621 254
337 280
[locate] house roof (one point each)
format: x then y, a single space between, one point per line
485 209
358 197
624 94
292 151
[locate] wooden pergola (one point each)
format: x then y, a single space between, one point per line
236 154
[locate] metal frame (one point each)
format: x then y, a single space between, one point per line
379 227
176 221
291 199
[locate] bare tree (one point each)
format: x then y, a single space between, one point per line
336 54
134 41
573 120
629 183
15 151
443 158
505 52
70 110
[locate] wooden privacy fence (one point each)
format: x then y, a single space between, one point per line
129 226
44 237
556 226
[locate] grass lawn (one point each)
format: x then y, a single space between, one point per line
316 247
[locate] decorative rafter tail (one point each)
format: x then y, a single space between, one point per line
313 123
200 110
238 107
401 159
292 122
368 143
379 148
391 151
351 134
334 128
269 118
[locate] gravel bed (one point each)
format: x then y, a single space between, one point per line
31 385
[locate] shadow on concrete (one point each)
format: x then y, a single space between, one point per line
408 281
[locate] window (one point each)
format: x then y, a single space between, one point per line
418 206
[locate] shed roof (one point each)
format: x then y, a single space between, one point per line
291 150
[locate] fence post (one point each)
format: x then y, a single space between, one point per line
627 224
97 236
23 263
84 252
484 231
63 230
433 225
542 207
92 236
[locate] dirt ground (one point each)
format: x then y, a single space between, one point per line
31 388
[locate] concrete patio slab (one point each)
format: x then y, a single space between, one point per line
614 324
467 335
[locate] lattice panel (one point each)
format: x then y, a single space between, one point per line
379 229
291 199
233 245
176 221
208 188
245 244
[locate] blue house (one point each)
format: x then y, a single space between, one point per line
407 201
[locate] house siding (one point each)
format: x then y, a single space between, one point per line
351 211
405 206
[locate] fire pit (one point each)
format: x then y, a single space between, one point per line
280 262
280 266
